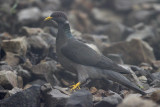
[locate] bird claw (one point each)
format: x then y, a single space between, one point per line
76 86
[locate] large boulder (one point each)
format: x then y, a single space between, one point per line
80 98
26 98
111 100
55 98
133 52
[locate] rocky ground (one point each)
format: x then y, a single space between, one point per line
127 31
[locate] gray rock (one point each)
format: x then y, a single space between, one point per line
146 33
139 16
116 58
51 41
17 45
126 5
115 31
13 91
4 66
156 82
29 15
44 68
142 72
156 64
52 5
26 75
109 101
28 31
9 79
133 52
37 82
98 40
105 16
54 98
38 49
80 98
27 98
135 101
156 75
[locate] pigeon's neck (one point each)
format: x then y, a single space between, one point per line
67 31
63 34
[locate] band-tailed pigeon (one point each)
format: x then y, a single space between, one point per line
76 56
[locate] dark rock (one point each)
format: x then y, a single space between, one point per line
156 96
139 16
29 15
135 101
9 79
2 52
27 98
51 76
67 3
26 75
142 72
156 82
55 98
38 82
133 52
80 98
115 31
110 101
37 49
156 47
156 75
13 91
3 92
156 64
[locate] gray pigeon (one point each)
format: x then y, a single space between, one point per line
76 56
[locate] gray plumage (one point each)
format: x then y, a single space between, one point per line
77 57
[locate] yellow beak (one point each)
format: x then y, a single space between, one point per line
48 18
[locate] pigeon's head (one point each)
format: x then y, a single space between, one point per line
58 17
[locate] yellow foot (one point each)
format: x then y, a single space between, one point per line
76 86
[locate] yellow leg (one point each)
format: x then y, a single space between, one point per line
76 86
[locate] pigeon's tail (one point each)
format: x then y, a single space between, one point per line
119 78
121 70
